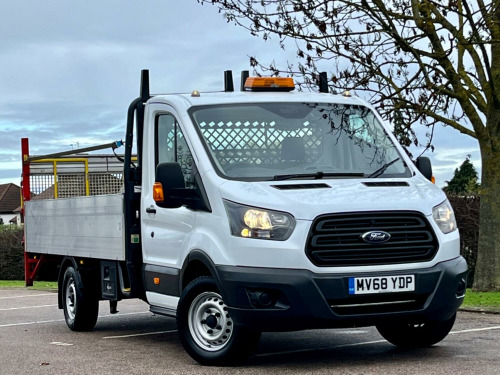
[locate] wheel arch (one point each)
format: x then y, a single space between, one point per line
197 264
87 268
66 262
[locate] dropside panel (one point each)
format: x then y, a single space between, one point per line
89 227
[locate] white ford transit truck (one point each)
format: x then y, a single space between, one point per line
241 212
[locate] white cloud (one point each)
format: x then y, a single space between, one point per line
68 70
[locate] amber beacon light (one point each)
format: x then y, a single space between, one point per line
269 84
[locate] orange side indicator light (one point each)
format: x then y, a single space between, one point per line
156 280
269 84
158 195
433 179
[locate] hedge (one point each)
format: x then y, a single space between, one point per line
467 215
11 253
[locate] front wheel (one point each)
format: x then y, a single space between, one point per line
206 329
412 335
80 304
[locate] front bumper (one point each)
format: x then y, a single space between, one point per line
286 299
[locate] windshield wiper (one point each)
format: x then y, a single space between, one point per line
382 169
317 176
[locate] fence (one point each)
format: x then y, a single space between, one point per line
75 176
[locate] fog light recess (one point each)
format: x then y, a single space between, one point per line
461 287
262 299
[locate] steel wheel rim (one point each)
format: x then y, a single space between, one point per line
71 298
209 322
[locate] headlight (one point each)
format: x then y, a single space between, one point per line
444 217
252 222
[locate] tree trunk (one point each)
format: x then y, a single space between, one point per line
487 276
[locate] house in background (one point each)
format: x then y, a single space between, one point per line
10 199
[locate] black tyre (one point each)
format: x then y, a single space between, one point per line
206 329
410 335
80 305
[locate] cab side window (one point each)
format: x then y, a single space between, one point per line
171 146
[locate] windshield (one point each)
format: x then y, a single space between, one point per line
265 141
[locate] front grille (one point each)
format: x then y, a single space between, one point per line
336 239
380 303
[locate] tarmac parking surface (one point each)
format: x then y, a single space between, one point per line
34 339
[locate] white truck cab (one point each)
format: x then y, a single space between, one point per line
274 210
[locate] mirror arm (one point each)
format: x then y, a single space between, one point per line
186 197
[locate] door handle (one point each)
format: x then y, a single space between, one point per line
151 210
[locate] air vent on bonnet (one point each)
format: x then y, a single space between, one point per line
300 186
385 183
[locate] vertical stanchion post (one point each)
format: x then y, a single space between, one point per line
56 182
87 189
25 196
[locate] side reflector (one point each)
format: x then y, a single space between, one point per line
156 280
269 84
433 179
158 192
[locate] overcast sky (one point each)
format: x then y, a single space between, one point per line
68 71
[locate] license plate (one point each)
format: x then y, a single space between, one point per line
381 284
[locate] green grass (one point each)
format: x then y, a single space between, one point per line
481 299
37 285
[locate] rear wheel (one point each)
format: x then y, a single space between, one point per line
411 335
206 329
80 305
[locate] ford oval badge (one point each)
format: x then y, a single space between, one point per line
376 236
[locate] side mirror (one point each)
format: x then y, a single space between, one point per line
174 191
423 164
172 180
